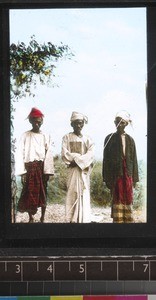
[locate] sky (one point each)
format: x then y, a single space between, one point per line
107 74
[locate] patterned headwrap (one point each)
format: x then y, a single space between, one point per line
78 116
35 113
124 115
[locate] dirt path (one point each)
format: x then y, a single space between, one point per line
55 213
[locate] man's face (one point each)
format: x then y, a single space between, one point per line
120 124
77 126
36 124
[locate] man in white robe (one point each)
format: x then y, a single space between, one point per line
78 155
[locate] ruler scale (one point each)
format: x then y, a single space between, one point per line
57 269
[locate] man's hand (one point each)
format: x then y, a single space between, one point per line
73 164
46 178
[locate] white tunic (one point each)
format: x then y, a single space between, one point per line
34 146
80 150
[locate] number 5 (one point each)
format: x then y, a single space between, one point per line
81 268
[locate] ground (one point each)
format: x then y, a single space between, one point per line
55 213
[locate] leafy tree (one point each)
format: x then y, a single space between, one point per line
33 63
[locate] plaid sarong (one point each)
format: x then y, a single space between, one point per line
122 213
122 198
123 188
33 194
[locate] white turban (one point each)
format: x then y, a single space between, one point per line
78 116
123 114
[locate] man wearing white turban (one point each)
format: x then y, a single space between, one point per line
120 169
78 155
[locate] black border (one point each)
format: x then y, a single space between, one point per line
70 236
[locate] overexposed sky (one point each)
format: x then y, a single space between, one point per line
107 74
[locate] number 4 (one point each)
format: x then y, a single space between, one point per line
50 269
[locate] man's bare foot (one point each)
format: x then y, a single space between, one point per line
42 219
31 220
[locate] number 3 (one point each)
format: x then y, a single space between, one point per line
18 269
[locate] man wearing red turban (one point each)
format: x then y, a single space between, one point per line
34 165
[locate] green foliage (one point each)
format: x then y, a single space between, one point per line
57 187
99 193
31 63
140 189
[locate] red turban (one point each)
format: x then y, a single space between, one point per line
35 113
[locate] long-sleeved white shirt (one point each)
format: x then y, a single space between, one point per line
34 146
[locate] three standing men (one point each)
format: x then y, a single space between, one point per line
120 168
